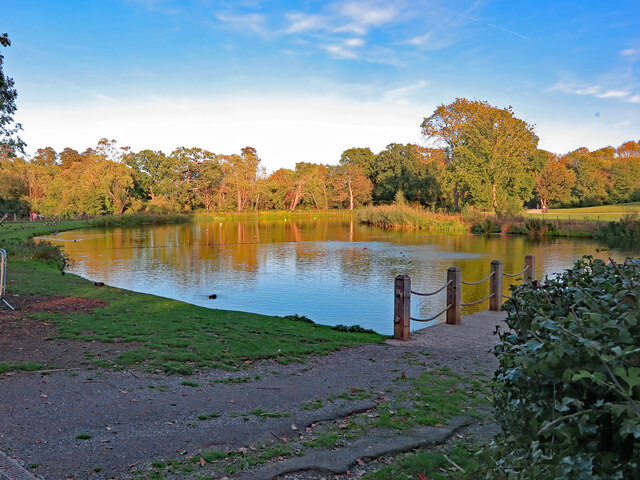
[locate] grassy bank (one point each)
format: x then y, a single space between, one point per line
203 216
404 216
158 333
601 213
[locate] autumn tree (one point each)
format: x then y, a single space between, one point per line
350 186
554 185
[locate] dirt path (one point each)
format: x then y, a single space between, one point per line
104 424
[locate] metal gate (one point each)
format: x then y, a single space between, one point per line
3 277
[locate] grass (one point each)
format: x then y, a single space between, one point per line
162 334
208 416
601 213
20 367
437 464
405 216
84 436
190 384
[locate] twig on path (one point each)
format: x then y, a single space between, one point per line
458 467
279 438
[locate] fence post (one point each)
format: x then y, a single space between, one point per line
402 308
495 282
530 274
453 295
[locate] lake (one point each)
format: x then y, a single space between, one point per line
331 269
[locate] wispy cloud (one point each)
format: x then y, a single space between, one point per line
492 25
630 52
160 6
402 94
596 90
254 22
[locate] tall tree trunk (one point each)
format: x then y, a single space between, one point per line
350 195
494 196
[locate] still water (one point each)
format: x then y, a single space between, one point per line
333 270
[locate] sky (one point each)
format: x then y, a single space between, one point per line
306 80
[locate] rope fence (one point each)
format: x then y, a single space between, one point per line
402 295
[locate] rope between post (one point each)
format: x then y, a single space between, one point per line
479 281
432 293
475 303
431 318
516 274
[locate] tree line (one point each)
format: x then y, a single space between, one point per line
481 157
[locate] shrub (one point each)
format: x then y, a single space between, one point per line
567 390
540 228
487 226
42 250
626 230
298 318
353 329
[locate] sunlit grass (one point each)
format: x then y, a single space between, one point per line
173 336
404 216
605 213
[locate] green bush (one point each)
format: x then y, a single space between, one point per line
42 250
540 228
567 390
626 230
486 226
353 329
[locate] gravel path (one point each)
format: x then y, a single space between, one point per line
132 419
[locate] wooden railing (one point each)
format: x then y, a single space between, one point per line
402 295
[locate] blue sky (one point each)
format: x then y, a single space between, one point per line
302 81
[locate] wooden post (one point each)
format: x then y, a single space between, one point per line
495 282
453 295
402 308
530 274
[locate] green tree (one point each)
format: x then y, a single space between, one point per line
593 176
493 155
8 94
362 158
242 174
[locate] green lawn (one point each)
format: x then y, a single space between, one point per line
169 335
606 213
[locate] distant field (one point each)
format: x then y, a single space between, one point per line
603 212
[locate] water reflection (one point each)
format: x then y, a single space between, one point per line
332 270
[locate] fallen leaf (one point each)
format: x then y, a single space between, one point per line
43 396
242 450
293 426
438 425
359 461
202 462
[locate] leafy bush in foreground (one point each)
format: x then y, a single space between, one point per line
567 391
